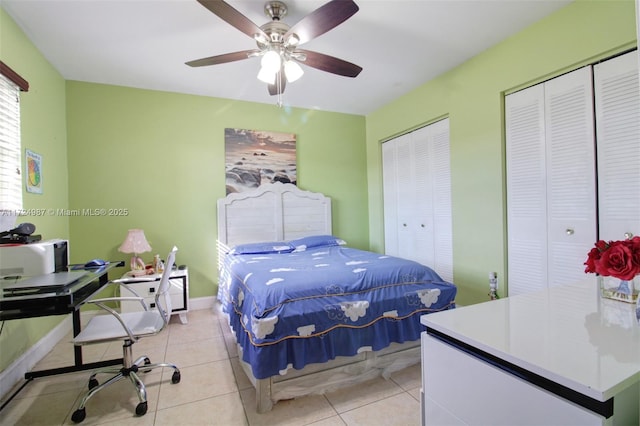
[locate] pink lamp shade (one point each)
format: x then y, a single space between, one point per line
135 243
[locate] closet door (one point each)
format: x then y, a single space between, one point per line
389 187
571 179
526 190
399 196
440 166
422 228
406 201
551 210
417 197
617 97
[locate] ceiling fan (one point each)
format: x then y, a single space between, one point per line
278 43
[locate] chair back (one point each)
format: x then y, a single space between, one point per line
163 298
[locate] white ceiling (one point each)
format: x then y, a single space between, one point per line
400 44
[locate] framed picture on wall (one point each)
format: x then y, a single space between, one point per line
255 157
33 176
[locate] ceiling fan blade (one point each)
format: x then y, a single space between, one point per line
234 18
222 59
323 19
329 63
275 89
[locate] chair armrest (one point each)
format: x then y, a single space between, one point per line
123 284
98 302
120 299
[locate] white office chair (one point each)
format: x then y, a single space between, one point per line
128 327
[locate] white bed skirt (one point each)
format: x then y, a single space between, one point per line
340 372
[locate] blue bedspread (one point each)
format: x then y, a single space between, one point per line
291 309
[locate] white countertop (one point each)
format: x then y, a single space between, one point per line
567 334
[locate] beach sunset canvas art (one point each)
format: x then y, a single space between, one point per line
254 158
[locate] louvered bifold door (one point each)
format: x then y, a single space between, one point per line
441 187
390 193
617 98
405 187
571 182
526 191
422 227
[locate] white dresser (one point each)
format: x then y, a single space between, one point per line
561 356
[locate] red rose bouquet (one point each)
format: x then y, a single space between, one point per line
619 259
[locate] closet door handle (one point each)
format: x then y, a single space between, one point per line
570 231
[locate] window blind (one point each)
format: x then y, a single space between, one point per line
10 170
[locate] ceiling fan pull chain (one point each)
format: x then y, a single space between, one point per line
279 84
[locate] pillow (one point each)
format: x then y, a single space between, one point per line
304 243
262 248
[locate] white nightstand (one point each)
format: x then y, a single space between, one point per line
146 286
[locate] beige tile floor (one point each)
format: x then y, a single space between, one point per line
213 389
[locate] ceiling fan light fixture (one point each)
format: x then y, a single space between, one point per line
292 71
292 40
266 75
261 39
271 61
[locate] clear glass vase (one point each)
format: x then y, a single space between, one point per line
622 290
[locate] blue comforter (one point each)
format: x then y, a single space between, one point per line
290 309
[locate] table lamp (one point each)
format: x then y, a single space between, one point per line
135 243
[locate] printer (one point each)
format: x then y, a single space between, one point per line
43 257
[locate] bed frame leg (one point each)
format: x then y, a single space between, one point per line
263 395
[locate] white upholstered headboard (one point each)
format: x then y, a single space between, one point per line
272 212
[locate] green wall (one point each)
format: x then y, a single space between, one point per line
161 157
472 97
43 130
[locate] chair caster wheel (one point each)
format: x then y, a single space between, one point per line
147 361
78 415
175 377
141 409
93 383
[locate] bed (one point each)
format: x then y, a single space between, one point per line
309 313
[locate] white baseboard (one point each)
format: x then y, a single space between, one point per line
201 303
15 372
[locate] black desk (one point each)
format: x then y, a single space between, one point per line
62 302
